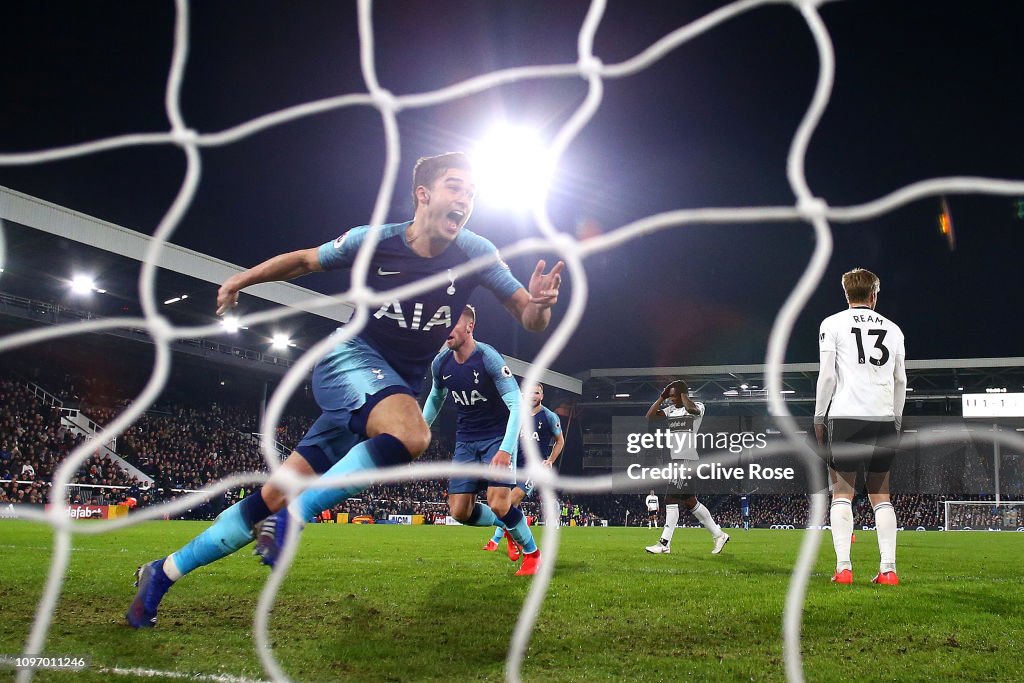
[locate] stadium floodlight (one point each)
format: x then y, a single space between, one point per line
229 323
513 167
176 299
280 341
621 395
82 284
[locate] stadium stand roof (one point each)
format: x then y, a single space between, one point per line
31 292
933 381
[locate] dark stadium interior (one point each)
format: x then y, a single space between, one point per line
701 132
217 387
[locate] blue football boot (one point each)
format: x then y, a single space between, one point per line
153 584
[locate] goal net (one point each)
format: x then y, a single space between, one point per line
806 208
983 515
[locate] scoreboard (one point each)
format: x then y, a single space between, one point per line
993 405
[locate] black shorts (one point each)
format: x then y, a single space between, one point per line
880 436
679 488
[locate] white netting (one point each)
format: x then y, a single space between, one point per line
807 208
983 515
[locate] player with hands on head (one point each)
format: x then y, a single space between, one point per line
685 415
861 391
365 386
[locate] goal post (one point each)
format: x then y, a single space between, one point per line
983 515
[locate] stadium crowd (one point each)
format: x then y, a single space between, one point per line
33 443
182 448
189 447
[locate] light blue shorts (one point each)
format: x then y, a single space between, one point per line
347 383
477 452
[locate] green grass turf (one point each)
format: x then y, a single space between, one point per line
391 603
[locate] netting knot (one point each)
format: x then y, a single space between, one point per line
184 136
160 328
812 208
359 294
385 99
589 66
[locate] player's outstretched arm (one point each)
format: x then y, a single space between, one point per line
281 267
532 307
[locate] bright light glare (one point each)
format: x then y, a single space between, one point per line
513 168
82 284
280 341
229 323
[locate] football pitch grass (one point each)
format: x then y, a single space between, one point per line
398 603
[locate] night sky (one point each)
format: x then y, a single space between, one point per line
923 89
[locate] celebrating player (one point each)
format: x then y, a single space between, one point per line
544 429
862 387
365 386
684 415
487 431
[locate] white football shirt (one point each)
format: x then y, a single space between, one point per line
865 345
679 420
652 503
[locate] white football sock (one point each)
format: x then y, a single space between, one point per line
885 527
841 521
171 569
671 519
703 515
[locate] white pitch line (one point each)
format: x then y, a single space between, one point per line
139 672
179 675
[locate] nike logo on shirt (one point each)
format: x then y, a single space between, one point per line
381 271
